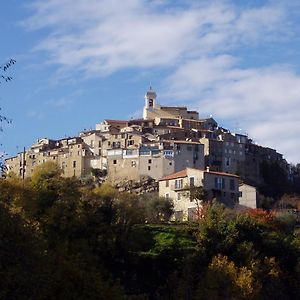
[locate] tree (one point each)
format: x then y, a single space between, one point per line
199 196
224 280
157 209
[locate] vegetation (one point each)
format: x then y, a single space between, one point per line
61 239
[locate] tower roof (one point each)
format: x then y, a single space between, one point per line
151 93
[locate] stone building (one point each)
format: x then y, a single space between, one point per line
218 185
71 154
154 159
167 139
248 196
153 110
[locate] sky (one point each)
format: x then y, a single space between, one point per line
80 62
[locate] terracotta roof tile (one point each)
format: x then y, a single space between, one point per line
180 174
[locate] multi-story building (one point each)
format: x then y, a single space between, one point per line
218 185
154 159
167 139
153 110
71 154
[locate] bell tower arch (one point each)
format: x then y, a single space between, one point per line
150 102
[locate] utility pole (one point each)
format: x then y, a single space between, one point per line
23 163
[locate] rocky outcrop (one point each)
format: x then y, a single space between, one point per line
146 184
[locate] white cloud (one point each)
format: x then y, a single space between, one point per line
105 36
197 40
264 101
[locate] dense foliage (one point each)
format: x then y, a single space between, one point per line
61 239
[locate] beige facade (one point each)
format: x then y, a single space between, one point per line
220 186
152 110
247 196
72 155
155 160
168 139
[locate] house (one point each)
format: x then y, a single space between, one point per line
247 196
218 185
153 159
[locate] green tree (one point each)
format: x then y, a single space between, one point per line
157 209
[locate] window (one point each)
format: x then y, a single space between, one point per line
149 161
167 196
192 181
170 163
108 143
240 194
130 143
74 164
149 168
178 215
219 183
227 161
178 183
133 163
178 196
167 183
232 184
114 161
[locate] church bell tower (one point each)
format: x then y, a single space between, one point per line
150 103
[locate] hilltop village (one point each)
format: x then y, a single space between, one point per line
171 146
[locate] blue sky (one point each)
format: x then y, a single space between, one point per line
79 62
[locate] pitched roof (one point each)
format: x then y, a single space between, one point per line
180 142
116 121
221 173
173 107
180 174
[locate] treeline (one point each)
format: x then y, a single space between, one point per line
279 189
61 239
